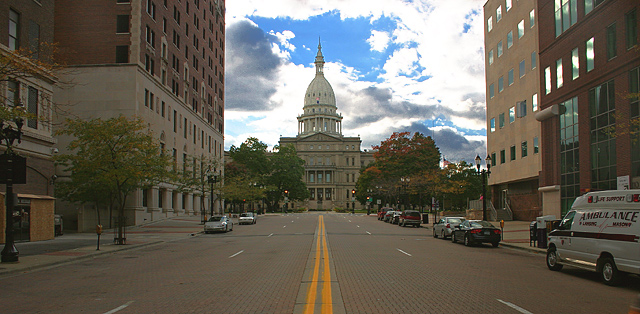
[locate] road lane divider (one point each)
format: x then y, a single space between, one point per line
403 252
119 308
234 255
515 307
369 233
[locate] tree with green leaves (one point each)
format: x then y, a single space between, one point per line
109 160
286 173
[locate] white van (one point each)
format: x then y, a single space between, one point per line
600 233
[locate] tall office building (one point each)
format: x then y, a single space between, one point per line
512 82
590 67
332 160
161 60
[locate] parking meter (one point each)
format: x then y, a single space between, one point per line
98 232
502 229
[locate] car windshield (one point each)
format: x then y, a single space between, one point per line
455 220
246 215
218 218
480 224
412 214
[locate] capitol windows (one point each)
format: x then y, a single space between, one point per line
320 177
328 177
346 147
312 193
312 177
327 194
310 146
327 147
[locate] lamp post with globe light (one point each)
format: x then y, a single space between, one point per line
484 175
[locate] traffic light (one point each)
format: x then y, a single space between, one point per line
353 192
286 192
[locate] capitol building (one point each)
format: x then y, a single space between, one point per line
332 161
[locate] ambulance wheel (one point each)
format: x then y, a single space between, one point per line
552 259
609 272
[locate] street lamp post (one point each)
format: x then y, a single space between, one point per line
353 201
405 183
13 170
484 175
213 179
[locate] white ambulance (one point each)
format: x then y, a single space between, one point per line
600 233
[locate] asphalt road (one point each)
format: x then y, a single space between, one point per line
269 267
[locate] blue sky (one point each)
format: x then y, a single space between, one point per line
394 65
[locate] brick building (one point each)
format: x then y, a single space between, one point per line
27 29
589 64
162 60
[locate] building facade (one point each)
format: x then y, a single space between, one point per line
332 160
161 60
27 31
589 67
512 82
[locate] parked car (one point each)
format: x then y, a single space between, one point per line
382 211
395 217
218 223
388 215
247 219
444 227
410 217
476 231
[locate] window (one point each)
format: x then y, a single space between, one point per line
575 64
151 9
499 13
502 156
146 97
34 39
492 125
13 93
122 24
122 54
500 84
512 114
547 80
590 4
508 5
312 177
164 25
32 107
491 91
532 18
494 161
489 24
631 26
521 68
534 102
509 39
521 109
536 147
499 49
566 14
603 143
490 57
510 77
559 80
569 157
501 120
590 54
512 152
327 193
14 26
611 42
312 193
534 58
151 36
149 64
520 29
523 149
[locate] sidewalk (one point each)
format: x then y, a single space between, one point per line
72 247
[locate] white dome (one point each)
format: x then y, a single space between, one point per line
319 92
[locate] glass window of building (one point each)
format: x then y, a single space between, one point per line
631 28
491 91
494 160
566 14
590 4
501 120
14 22
510 77
611 42
312 177
512 114
492 125
520 29
559 80
534 57
603 142
534 102
590 54
500 84
575 64
312 193
547 80
508 5
532 18
536 146
489 24
521 68
490 57
502 156
523 149
499 13
569 157
512 152
509 39
499 49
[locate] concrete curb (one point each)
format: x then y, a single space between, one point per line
523 248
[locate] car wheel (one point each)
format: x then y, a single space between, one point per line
467 240
552 259
609 272
443 234
495 244
453 237
418 226
435 234
403 224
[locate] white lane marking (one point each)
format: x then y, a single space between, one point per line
368 232
515 307
234 255
401 251
349 220
121 307
291 220
284 226
269 235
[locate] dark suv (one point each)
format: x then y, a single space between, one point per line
410 217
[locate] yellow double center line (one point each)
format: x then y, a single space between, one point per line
327 303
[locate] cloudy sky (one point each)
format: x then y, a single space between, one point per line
394 65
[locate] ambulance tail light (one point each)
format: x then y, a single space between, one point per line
590 199
636 198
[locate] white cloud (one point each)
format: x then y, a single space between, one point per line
379 41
